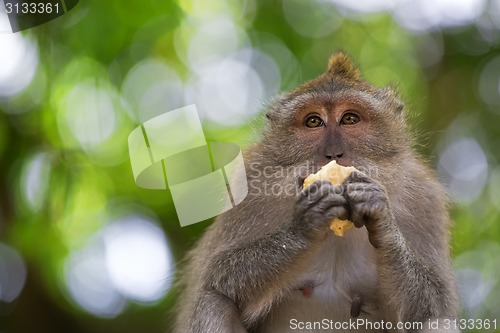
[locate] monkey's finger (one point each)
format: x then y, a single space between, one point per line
358 213
335 198
340 212
309 197
357 217
368 214
358 177
333 195
363 187
366 195
316 186
316 190
321 206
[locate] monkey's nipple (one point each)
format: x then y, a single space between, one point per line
307 289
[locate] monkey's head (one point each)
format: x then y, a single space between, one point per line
337 116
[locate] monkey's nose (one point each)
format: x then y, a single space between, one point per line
334 156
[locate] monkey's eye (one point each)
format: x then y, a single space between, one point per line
314 121
349 119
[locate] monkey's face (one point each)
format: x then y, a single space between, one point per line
355 125
337 116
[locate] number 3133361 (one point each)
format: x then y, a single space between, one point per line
32 8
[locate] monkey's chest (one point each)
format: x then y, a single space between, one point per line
337 288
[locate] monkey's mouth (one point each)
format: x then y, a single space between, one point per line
312 166
343 161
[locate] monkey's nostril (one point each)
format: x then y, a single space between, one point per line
334 156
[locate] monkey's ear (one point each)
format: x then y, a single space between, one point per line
340 65
390 93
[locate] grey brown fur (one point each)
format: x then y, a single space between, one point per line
273 259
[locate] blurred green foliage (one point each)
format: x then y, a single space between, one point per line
83 177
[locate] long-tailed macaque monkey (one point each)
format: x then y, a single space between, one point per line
272 265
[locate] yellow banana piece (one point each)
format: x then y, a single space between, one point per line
335 174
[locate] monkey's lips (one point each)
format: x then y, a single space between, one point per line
343 161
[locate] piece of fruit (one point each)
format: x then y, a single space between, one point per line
335 174
340 227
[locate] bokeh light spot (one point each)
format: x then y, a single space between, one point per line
366 6
228 92
289 70
18 63
89 284
494 187
477 279
129 259
12 273
152 88
432 14
91 117
5 26
321 20
213 39
463 168
489 84
35 179
473 289
138 258
89 114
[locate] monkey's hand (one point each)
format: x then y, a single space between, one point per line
368 206
316 206
410 285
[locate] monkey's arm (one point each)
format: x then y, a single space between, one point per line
253 275
415 280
